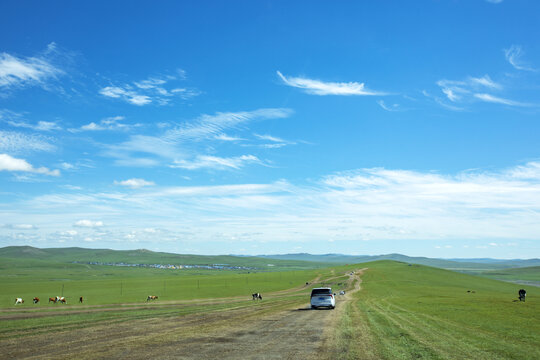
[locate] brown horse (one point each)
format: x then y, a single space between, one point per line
81 299
35 300
52 300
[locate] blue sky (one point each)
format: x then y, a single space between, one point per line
242 127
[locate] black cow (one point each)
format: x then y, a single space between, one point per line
521 294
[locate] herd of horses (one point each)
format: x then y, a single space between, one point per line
54 300
62 300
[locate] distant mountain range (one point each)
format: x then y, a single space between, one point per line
453 264
282 262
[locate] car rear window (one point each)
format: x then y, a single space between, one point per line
321 292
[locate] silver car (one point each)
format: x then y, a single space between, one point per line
322 297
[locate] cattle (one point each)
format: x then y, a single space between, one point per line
61 300
521 294
52 300
151 297
256 296
80 300
35 300
19 301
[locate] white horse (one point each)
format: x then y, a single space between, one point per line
19 301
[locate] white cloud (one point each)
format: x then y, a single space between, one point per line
179 144
393 107
225 137
494 1
134 183
514 55
151 90
16 72
8 163
108 123
216 163
457 90
125 94
16 142
88 224
16 121
210 126
471 89
317 87
499 100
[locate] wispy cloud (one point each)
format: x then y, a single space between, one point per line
473 89
154 90
134 183
181 144
514 55
456 91
494 1
393 107
109 123
209 126
225 137
273 142
318 87
18 72
215 163
17 142
15 119
499 100
8 163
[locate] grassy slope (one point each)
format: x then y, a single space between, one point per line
421 312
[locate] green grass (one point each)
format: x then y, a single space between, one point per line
110 285
421 312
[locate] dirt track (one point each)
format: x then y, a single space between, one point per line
284 329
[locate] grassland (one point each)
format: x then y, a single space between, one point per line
407 312
403 311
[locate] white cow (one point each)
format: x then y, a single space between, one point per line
19 301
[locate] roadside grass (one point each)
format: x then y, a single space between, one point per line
414 311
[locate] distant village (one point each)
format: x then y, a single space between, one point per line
170 266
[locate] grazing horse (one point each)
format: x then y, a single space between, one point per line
52 300
19 301
81 299
256 296
61 299
521 294
35 300
151 297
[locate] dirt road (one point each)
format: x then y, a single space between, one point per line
283 329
